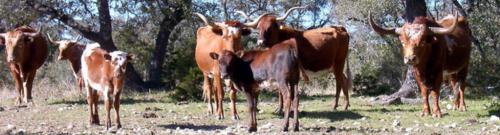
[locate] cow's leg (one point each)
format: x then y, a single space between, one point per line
233 102
279 110
28 85
287 95
436 111
90 101
95 110
219 95
295 90
116 106
425 95
461 76
455 88
207 90
19 87
339 81
252 125
107 106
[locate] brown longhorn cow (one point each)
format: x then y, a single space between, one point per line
216 37
72 51
26 51
437 51
322 49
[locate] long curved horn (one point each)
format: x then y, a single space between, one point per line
256 21
77 38
448 30
288 13
202 17
381 30
51 40
243 14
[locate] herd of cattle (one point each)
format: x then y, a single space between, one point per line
437 50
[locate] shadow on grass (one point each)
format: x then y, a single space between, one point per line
332 115
122 101
193 127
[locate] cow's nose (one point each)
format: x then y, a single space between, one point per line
260 42
409 59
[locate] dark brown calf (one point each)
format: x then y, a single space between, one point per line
104 72
71 51
26 51
278 65
321 49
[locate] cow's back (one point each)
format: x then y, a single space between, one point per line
458 44
277 62
321 47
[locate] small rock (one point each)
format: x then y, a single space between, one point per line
171 111
363 118
409 129
70 126
483 129
267 126
261 111
149 115
2 109
396 123
494 118
356 123
453 125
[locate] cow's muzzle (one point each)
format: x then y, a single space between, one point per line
410 60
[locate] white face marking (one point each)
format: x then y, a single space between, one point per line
119 57
415 33
232 30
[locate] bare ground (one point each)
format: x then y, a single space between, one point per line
147 113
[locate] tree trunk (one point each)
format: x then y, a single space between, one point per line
414 8
167 25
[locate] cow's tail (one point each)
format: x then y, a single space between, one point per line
348 76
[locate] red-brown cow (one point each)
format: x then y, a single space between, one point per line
278 65
105 73
71 51
321 49
26 51
437 50
216 37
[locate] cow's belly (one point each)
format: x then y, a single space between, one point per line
96 86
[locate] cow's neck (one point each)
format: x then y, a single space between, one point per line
430 67
287 34
243 74
76 51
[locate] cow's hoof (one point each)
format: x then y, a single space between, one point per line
423 114
436 115
236 117
118 126
295 128
285 129
220 117
462 109
252 129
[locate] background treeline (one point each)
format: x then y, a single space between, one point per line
161 35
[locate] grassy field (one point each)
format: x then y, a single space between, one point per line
68 114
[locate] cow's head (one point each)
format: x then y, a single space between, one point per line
18 43
64 47
227 62
416 38
118 60
269 26
231 32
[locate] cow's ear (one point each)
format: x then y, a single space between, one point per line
246 32
214 56
217 31
107 57
130 56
